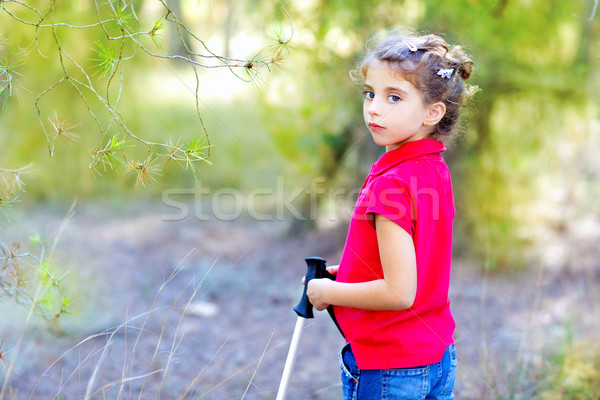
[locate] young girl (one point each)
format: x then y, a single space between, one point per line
391 292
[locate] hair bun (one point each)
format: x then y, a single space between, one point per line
464 64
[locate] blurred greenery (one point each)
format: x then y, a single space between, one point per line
573 372
514 167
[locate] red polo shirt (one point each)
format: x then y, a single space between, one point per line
411 186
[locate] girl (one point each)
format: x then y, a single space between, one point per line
391 292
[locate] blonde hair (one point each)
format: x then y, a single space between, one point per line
420 59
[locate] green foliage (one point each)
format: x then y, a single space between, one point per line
10 186
32 282
9 78
123 17
107 62
519 119
105 155
193 151
534 61
76 74
159 24
279 42
573 373
95 79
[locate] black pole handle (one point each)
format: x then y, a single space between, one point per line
317 268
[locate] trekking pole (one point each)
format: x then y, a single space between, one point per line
316 269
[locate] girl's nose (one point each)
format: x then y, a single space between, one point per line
373 109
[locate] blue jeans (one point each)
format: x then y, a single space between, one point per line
433 381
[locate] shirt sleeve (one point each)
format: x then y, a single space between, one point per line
392 199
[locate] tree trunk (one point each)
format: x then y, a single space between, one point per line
177 42
228 28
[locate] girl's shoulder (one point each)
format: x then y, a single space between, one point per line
404 171
417 172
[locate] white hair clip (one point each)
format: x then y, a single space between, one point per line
446 73
410 46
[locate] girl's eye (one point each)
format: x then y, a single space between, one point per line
393 98
369 95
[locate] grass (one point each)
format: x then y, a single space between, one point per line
90 369
526 335
573 372
145 373
512 338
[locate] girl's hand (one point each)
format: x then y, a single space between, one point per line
316 292
332 270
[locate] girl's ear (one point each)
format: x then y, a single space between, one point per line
436 113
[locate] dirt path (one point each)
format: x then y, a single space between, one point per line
238 281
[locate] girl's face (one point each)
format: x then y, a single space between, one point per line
393 108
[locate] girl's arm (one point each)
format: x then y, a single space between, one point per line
396 291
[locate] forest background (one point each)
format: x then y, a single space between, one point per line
221 111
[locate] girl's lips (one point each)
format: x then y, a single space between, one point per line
375 127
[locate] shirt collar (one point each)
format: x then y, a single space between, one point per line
407 151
